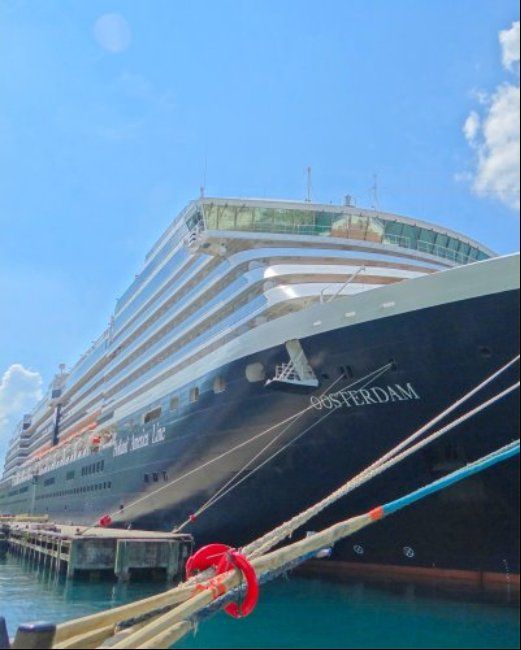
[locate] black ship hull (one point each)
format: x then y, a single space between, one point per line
395 374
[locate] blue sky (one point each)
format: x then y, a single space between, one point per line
108 111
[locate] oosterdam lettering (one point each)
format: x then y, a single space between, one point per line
365 396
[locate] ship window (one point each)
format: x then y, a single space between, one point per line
219 385
244 218
146 478
194 394
153 415
155 477
174 404
255 372
411 235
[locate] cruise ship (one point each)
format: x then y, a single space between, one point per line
266 352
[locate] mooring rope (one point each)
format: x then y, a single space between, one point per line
234 482
384 463
289 420
357 480
170 626
170 620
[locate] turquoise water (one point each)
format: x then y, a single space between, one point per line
294 613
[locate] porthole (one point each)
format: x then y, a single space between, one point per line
255 372
194 394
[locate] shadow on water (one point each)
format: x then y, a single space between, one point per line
293 613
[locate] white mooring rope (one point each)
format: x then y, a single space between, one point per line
387 461
289 421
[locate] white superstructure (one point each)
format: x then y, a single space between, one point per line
223 268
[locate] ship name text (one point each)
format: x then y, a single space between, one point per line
365 397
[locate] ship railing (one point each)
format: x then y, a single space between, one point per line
286 372
443 251
193 235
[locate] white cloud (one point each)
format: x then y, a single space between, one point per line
113 33
495 135
471 126
20 389
509 39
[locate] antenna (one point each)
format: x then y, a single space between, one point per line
308 193
375 203
203 186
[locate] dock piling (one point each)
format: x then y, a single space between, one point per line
4 637
31 636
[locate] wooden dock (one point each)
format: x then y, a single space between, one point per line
74 550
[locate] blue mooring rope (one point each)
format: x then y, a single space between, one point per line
475 467
472 468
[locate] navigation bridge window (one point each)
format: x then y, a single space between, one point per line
348 225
